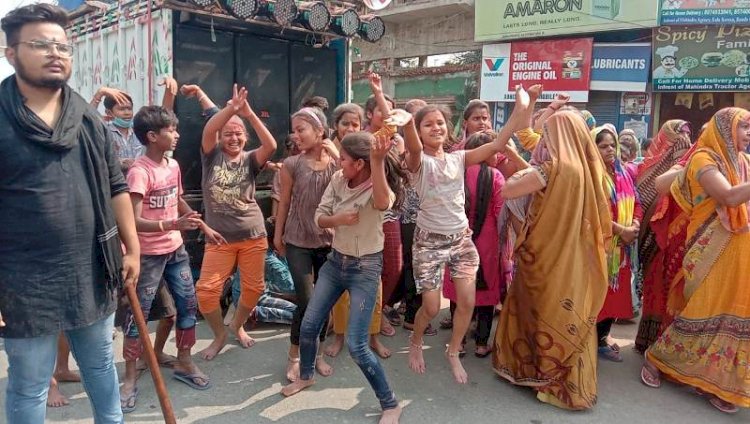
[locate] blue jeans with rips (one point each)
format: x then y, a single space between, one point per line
360 276
32 360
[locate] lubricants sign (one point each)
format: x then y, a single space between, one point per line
496 20
559 65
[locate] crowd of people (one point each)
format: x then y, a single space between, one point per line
559 223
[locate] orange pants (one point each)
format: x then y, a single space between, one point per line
219 262
341 313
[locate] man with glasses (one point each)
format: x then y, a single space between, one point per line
65 210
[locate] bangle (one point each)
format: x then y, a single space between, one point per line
161 225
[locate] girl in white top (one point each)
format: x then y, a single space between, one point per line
443 237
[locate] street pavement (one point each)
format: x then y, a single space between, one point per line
246 384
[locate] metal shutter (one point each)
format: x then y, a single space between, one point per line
605 106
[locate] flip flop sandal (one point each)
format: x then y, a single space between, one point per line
446 323
388 331
393 317
123 402
430 331
189 379
650 375
170 363
723 405
484 354
606 352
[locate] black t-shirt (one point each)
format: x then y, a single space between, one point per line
50 277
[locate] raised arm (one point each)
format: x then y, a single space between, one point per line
381 193
192 90
376 84
170 93
216 123
267 142
413 147
119 96
517 118
560 100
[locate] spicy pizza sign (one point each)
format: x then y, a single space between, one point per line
559 65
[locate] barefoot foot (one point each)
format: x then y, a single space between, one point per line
292 369
379 348
459 374
296 387
390 416
67 376
244 339
214 348
322 367
55 398
416 358
335 347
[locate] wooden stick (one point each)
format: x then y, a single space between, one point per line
153 365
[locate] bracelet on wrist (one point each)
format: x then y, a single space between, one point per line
161 225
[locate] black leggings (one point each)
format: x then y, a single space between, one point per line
603 328
484 316
304 265
411 298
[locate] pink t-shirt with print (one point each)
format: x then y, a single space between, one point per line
160 184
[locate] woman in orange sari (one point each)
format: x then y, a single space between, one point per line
546 338
708 344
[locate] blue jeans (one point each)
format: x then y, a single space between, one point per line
32 360
360 277
174 269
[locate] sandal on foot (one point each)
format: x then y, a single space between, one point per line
393 317
388 330
446 323
123 402
650 375
189 379
723 405
482 351
606 352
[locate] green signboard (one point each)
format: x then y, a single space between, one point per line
701 58
507 20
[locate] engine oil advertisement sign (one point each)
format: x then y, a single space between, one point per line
701 58
559 65
696 12
496 20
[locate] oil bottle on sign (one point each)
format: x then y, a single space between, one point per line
606 9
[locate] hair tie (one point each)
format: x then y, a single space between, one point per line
309 111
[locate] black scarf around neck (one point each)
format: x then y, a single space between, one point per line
76 126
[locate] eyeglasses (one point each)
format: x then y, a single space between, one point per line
44 46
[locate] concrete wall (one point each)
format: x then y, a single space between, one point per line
419 36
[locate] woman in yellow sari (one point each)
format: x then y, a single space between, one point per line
546 338
708 344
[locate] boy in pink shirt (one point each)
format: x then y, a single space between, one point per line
160 215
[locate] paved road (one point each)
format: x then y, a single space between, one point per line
246 385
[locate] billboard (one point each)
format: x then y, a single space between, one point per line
697 12
701 58
559 65
496 20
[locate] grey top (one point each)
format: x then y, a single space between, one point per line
309 185
229 195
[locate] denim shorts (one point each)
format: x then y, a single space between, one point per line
432 252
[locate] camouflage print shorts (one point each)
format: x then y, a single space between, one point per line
432 252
